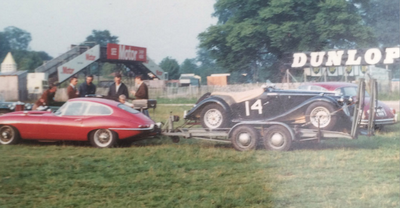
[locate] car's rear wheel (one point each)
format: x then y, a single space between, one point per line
244 138
214 116
103 138
9 135
277 138
319 114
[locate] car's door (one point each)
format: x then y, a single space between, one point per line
65 124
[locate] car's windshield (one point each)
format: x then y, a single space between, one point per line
61 109
352 91
129 109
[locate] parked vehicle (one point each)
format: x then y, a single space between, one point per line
384 114
102 122
305 108
6 107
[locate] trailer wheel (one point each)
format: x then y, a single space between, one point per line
213 116
244 138
321 112
175 139
277 138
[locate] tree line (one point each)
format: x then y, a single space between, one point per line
252 37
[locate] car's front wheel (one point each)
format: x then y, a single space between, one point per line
9 135
103 138
320 114
214 116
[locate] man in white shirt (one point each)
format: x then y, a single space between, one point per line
122 99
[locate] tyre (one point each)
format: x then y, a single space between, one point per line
103 138
214 116
277 138
244 138
9 135
320 112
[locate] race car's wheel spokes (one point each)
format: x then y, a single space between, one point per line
9 135
277 138
319 114
214 116
103 138
244 138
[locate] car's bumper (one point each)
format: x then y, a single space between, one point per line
152 127
386 121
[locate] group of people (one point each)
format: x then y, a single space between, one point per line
118 91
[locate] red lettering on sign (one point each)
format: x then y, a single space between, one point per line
90 57
124 52
67 70
159 73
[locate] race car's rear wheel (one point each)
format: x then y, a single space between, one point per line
277 138
244 138
103 138
9 135
321 114
214 116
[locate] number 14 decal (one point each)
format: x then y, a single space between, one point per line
256 106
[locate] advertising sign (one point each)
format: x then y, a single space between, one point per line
125 52
73 66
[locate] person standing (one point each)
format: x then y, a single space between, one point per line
87 88
47 97
72 92
117 88
142 90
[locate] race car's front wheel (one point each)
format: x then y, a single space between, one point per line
103 138
213 116
321 114
9 135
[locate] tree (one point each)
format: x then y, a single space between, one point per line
383 17
29 60
171 66
4 46
18 39
250 33
101 37
188 66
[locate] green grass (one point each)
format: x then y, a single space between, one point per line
389 96
193 173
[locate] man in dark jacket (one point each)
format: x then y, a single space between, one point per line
117 88
142 90
87 88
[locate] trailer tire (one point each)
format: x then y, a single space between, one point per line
277 138
244 138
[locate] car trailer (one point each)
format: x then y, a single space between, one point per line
277 136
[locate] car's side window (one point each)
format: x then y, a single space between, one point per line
303 87
97 109
76 109
317 88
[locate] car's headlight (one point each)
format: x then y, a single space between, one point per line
11 106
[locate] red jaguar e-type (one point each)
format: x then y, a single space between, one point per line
102 122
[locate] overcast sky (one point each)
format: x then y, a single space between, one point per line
164 27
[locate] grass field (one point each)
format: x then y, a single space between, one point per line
192 173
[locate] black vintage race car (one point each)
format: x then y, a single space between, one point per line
304 108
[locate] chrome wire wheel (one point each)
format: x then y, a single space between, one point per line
8 135
320 115
213 118
103 138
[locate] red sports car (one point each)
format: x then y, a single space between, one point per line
102 122
384 114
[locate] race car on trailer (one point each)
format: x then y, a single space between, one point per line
276 132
